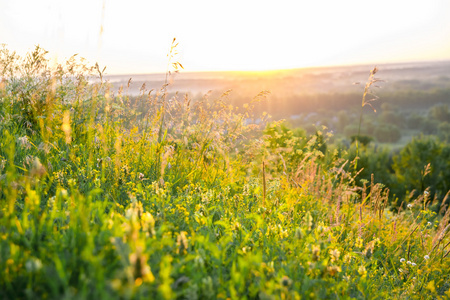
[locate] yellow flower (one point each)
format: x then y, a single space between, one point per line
359 243
335 254
333 270
347 258
148 223
362 270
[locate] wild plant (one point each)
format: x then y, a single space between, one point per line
367 92
98 204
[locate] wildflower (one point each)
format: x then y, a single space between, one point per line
362 270
148 223
359 242
347 258
141 176
402 260
246 249
413 264
237 226
429 224
409 205
24 142
335 254
333 270
426 257
33 265
408 262
63 193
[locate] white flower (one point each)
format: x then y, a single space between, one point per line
429 224
408 262
402 260
409 205
33 265
426 257
413 264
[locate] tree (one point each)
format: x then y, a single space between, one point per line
414 121
440 113
444 131
411 170
374 160
386 133
363 139
393 118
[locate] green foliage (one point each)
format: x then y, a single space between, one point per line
386 133
430 126
352 130
414 121
390 117
363 139
343 120
444 132
424 166
102 197
440 113
374 164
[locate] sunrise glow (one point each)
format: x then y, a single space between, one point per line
232 35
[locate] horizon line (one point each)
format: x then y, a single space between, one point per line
447 60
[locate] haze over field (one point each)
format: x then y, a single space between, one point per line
304 80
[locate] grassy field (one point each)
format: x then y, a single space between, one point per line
107 197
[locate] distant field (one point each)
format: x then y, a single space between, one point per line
313 97
308 80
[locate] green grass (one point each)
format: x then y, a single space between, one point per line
104 198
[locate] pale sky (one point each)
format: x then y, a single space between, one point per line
229 35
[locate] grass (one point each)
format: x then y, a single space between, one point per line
105 197
367 92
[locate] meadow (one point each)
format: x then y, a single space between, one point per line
160 196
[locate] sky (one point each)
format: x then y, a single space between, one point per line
134 36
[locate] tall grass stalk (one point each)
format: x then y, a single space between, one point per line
367 92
